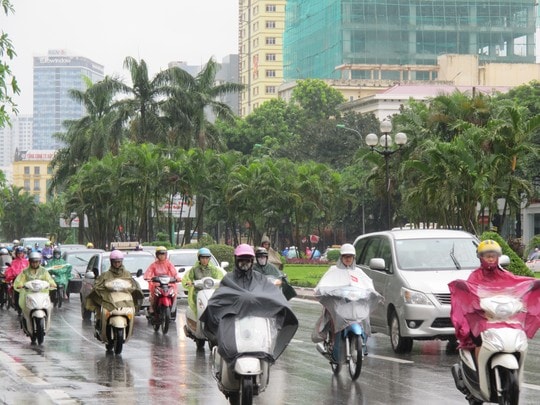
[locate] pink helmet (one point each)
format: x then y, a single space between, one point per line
244 250
116 255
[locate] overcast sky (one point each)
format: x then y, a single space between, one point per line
106 31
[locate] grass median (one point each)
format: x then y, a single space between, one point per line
305 275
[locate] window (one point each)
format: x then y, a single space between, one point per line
255 91
26 169
270 8
255 27
36 185
270 24
27 185
255 42
270 40
270 89
270 56
36 170
271 73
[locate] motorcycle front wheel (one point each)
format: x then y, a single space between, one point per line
355 355
39 330
118 340
509 389
166 320
59 295
246 386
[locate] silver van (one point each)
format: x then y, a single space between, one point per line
411 269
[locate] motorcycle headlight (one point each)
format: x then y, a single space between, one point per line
415 297
208 283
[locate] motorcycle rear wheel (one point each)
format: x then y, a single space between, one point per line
39 324
509 386
60 295
356 355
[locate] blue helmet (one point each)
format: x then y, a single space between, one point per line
204 252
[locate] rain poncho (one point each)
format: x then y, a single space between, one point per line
29 274
60 269
469 318
17 266
348 296
243 294
100 296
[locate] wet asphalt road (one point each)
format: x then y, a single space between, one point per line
71 367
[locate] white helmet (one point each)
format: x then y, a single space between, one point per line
347 249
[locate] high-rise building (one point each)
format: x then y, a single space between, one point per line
228 73
321 35
261 25
54 75
14 138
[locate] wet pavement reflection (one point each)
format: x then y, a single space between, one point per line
72 367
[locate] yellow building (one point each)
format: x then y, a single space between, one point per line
31 171
261 26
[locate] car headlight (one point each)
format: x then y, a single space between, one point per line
415 297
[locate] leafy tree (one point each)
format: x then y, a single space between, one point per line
317 99
8 83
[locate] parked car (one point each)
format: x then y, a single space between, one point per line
533 262
71 246
411 269
79 261
185 259
135 261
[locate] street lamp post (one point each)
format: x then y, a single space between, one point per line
386 142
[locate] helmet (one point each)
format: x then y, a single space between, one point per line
204 252
90 245
488 245
244 250
15 242
4 251
57 251
19 249
161 249
261 252
265 239
347 249
48 243
116 255
34 256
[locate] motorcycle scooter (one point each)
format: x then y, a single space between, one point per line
4 297
205 288
504 325
114 323
61 274
165 296
347 308
250 329
37 310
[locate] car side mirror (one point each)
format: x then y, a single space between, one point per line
377 264
139 272
224 265
504 261
90 275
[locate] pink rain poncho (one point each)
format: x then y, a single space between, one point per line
469 318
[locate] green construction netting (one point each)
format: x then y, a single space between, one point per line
322 34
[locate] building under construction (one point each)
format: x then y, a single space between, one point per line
322 35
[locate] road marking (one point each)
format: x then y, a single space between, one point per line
531 386
375 356
20 370
60 397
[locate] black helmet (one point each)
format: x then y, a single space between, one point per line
57 252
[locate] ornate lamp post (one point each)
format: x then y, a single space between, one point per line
386 142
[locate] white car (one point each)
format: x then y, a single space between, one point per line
185 259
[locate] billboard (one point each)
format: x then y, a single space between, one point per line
179 207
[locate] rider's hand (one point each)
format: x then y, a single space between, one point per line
277 283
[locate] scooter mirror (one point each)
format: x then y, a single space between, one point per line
139 272
504 261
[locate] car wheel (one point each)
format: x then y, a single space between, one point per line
400 344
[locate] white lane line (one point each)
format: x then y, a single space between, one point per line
60 397
10 363
531 386
375 356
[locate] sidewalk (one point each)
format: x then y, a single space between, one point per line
305 293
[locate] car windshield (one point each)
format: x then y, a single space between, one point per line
436 254
79 259
133 263
187 259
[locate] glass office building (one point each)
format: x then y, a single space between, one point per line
323 34
54 75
